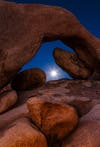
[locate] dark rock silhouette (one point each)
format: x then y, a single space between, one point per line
23 27
29 79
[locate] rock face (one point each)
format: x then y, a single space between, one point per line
70 63
5 89
54 119
22 133
86 135
29 79
7 100
87 132
19 43
13 114
81 94
53 109
94 114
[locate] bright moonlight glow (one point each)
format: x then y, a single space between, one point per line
53 73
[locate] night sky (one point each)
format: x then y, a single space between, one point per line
87 11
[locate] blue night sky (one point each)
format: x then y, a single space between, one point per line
87 11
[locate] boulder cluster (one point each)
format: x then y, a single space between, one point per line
61 113
37 113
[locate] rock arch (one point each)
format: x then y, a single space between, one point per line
24 27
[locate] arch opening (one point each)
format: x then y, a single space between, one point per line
45 61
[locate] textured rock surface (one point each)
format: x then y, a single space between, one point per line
53 106
54 119
5 89
94 114
86 135
88 131
70 63
12 115
29 79
7 100
80 93
36 24
22 133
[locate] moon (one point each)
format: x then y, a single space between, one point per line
53 73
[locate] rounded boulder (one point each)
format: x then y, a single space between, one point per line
29 79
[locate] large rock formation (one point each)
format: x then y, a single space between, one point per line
24 27
70 62
29 79
82 94
50 114
48 108
55 120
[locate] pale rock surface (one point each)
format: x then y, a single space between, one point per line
88 131
7 100
22 133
